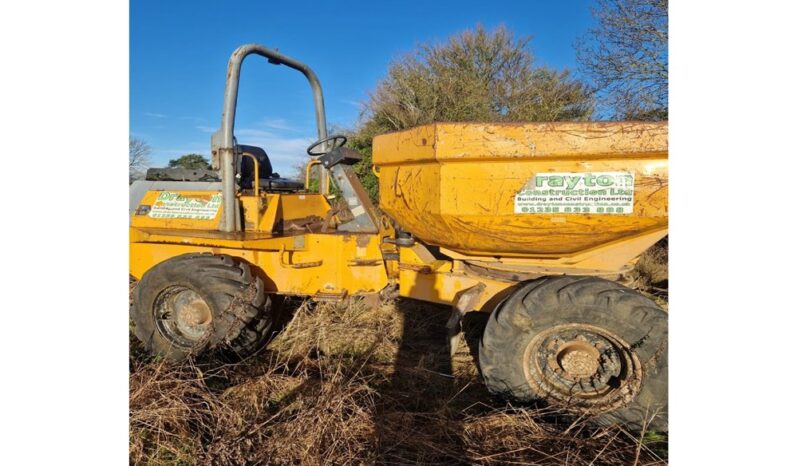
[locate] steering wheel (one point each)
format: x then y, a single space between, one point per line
337 140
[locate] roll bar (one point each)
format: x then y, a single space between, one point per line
223 143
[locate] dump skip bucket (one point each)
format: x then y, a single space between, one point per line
542 190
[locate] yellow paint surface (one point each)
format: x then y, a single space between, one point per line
301 264
453 185
289 259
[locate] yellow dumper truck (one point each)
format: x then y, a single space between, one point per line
533 223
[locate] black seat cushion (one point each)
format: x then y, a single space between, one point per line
247 169
280 184
269 181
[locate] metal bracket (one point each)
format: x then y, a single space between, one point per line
465 302
295 265
340 155
402 241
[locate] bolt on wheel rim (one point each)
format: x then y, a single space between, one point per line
182 316
582 366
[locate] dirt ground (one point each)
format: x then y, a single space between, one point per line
360 385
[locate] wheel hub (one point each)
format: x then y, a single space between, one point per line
577 359
183 316
193 314
584 366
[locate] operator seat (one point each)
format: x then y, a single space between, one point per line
269 181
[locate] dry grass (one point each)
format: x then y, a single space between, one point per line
355 385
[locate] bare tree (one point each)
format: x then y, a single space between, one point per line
626 54
139 158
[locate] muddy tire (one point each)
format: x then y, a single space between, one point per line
583 344
254 336
193 303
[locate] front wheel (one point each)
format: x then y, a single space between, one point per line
584 344
192 303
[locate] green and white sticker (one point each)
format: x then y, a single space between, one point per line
577 193
175 205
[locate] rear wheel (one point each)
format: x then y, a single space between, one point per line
197 302
587 345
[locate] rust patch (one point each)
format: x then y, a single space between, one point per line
310 223
415 268
364 262
325 296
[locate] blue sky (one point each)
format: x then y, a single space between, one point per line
179 51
